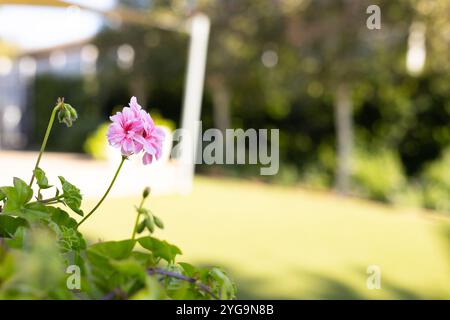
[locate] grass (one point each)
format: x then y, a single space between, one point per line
291 243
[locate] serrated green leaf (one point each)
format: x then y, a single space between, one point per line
24 192
61 218
35 210
71 240
160 249
17 196
9 225
41 178
12 202
72 196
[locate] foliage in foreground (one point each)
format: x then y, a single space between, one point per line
43 255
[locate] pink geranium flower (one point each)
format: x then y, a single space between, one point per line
154 137
134 130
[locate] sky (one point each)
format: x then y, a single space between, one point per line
33 27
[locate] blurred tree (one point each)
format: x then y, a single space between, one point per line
338 51
312 69
142 60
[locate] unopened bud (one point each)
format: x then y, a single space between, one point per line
158 222
67 114
150 224
141 226
73 112
146 192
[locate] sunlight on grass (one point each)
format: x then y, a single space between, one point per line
290 243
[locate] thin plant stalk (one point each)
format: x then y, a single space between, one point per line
44 142
106 193
133 236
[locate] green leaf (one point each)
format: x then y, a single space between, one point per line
2 195
102 255
34 210
113 249
225 288
17 241
9 225
146 259
100 266
160 249
189 269
41 178
153 290
72 196
71 240
24 192
17 196
12 203
130 267
61 218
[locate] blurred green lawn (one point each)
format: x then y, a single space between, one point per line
279 242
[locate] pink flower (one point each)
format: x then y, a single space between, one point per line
154 137
133 130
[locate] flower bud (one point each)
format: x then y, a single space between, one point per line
67 114
141 226
73 112
158 222
61 116
150 224
146 192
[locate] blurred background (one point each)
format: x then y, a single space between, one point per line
364 119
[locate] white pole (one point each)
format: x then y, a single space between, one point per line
192 102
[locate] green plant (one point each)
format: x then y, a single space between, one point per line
436 183
378 175
43 255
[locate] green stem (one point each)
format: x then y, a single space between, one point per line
133 236
51 199
106 193
44 143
